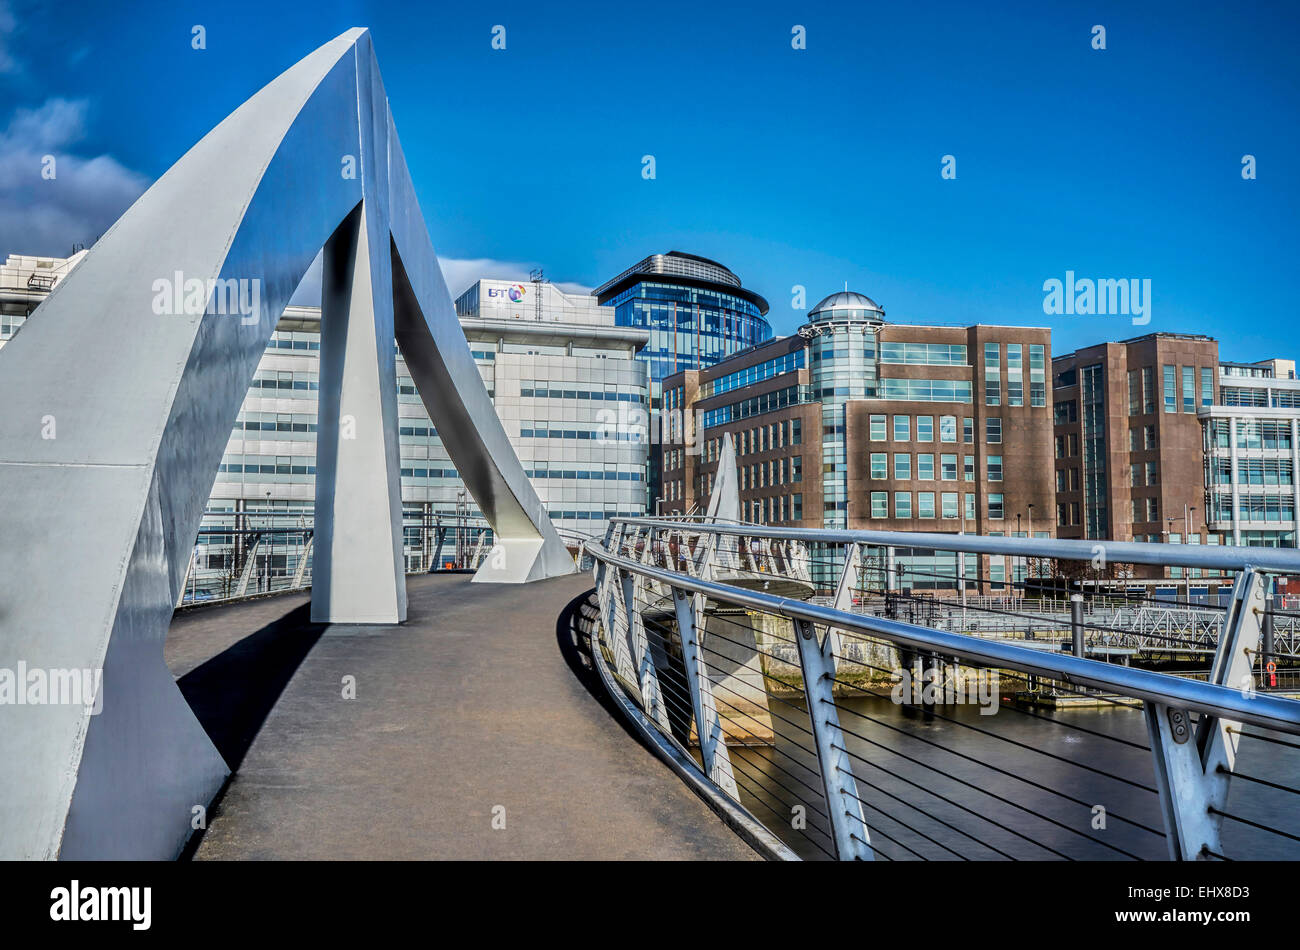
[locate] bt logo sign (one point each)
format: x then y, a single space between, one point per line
515 292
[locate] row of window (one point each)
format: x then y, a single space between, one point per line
948 506
786 363
926 390
610 433
528 389
774 509
880 429
782 471
756 405
764 438
925 467
1254 472
597 475
1015 388
926 354
1251 433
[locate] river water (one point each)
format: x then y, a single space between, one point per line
952 783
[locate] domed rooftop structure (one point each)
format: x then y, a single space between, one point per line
847 305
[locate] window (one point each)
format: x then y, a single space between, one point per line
1037 375
902 428
902 504
1134 392
796 431
877 428
992 375
947 428
1151 474
925 467
1207 386
1171 390
796 507
1065 412
1189 389
880 504
902 466
879 464
995 468
948 502
968 430
948 467
1149 437
993 430
1134 443
796 469
1148 390
1135 475
969 468
995 506
925 428
970 505
1015 376
925 504
1060 446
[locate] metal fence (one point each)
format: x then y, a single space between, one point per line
849 731
239 555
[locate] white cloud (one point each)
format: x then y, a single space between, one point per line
42 215
8 26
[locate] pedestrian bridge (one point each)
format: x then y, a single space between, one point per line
478 730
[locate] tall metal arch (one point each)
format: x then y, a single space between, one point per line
116 416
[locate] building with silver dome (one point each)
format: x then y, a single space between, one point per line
856 421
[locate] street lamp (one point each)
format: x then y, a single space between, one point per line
270 542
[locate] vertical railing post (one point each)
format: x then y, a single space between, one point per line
713 745
652 700
609 599
1268 645
1193 766
817 663
1076 624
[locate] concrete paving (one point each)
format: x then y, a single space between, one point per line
478 707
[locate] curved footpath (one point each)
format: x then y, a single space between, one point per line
479 702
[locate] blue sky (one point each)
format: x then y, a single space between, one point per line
810 167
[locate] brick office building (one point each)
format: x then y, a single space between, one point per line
1128 441
854 422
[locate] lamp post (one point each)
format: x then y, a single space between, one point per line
270 541
1029 565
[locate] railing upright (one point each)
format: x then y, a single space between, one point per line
1194 766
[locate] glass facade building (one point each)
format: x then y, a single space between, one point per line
565 382
697 313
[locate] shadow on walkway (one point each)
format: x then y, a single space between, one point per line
234 692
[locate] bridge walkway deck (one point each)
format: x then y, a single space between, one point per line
479 700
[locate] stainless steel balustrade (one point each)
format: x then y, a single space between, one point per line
653 573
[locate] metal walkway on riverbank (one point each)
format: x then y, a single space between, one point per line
478 702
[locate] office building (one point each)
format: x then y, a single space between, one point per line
857 422
697 313
564 378
1252 454
1128 442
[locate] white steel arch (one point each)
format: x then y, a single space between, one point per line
119 460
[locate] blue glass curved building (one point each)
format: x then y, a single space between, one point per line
696 310
697 313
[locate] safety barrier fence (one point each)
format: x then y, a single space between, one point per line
260 553
851 732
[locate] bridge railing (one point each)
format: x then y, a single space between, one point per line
245 554
873 725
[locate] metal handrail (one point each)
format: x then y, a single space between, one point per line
1269 712
1214 557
